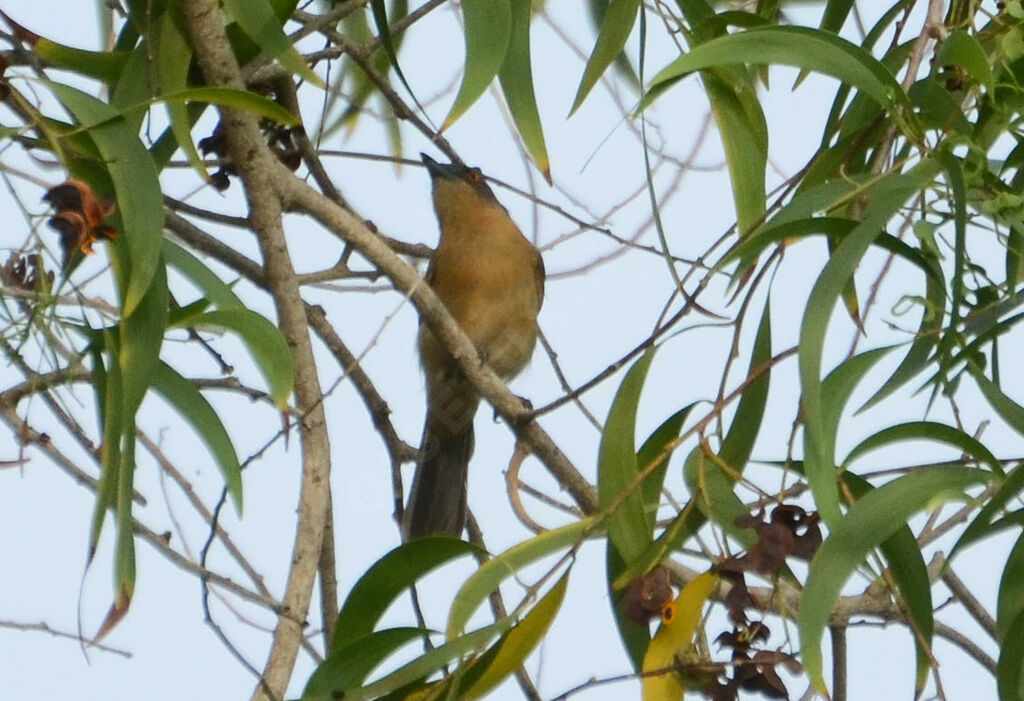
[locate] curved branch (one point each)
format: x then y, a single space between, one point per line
300 196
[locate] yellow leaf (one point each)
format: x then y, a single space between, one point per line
673 637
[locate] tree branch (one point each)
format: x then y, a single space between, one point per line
255 162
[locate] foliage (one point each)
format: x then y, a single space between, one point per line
920 160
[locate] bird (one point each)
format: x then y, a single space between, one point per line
491 279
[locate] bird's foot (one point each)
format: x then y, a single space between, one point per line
525 418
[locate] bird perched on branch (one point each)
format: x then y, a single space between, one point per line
491 279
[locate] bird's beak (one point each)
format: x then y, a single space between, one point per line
438 170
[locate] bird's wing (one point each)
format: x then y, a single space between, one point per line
539 276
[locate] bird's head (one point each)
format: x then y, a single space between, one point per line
458 189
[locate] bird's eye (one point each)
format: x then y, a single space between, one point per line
473 175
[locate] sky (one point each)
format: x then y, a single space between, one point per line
593 313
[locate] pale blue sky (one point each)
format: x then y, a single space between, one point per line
590 319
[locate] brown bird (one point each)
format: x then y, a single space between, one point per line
491 279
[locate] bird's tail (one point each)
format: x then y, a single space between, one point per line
437 499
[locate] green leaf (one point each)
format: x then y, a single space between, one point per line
836 12
872 519
738 443
802 47
133 357
136 186
958 191
488 25
924 342
735 452
1013 414
425 664
910 573
819 463
141 336
712 490
516 77
387 578
265 343
355 27
615 29
617 469
623 66
1010 603
239 99
509 653
137 84
260 23
496 570
380 18
124 569
636 637
173 56
937 108
108 380
652 448
1014 255
961 49
744 132
227 97
212 287
1009 679
927 431
819 444
348 665
686 523
102 65
195 409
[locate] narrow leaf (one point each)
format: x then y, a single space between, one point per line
194 408
111 411
738 443
1013 414
744 133
136 185
617 468
347 666
909 571
387 578
876 516
636 637
615 29
516 77
496 570
265 343
712 491
487 26
819 462
926 431
1008 673
173 55
258 20
512 650
212 287
961 49
422 666
818 312
802 47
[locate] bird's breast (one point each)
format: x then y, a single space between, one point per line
488 281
